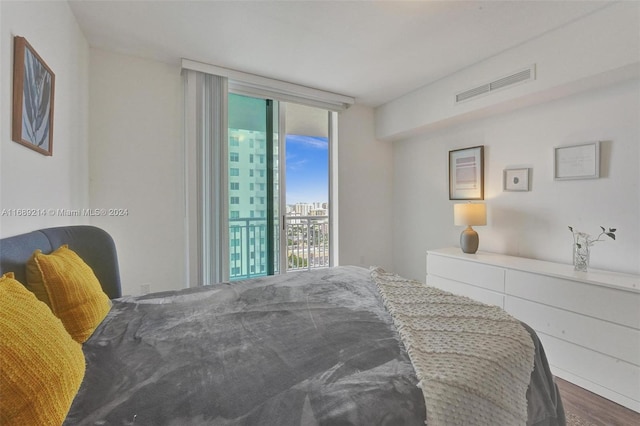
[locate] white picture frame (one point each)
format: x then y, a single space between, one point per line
580 161
516 179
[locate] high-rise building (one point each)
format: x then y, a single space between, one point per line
247 203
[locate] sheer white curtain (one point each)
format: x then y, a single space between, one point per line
205 109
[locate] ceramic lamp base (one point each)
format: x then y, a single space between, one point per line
469 240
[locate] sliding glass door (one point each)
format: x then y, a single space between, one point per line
274 226
237 219
254 200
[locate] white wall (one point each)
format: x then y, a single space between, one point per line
586 89
602 47
529 224
365 190
29 180
136 163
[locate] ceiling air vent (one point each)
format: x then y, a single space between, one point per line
521 76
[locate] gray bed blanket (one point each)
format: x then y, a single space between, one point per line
304 348
307 348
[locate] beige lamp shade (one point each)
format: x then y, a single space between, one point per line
469 214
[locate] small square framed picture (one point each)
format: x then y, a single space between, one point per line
516 179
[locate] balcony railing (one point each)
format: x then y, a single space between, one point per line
307 245
307 242
247 248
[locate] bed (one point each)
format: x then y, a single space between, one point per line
336 346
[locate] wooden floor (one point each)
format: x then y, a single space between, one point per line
594 409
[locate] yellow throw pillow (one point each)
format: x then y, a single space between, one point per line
71 288
41 366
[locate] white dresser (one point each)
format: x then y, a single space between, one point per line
588 322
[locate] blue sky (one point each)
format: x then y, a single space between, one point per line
307 169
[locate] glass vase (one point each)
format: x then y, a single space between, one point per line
581 255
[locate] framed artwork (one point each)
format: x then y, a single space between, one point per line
33 94
516 180
466 173
577 161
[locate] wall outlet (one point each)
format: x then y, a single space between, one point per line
145 288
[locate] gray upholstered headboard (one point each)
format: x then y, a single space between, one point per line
94 245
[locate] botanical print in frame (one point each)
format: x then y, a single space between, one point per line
466 173
33 94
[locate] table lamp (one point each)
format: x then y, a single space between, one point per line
469 215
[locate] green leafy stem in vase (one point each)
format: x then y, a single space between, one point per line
588 239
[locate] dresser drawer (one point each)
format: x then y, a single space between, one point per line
614 379
611 339
477 293
618 306
476 274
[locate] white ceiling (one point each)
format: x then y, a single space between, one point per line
374 51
